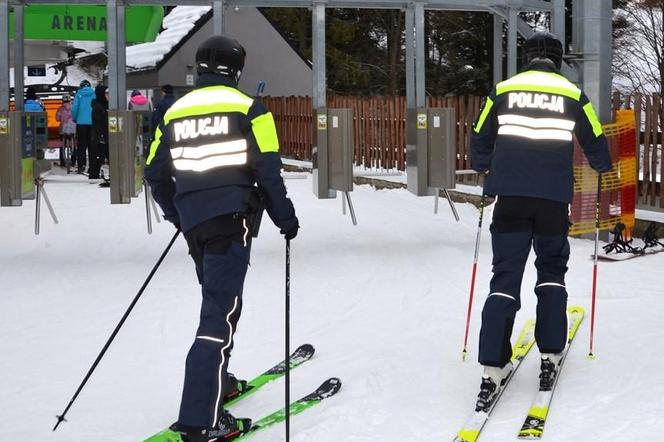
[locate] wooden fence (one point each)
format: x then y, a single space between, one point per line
380 127
380 132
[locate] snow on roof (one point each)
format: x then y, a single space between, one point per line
177 25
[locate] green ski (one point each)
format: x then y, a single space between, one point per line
301 355
327 389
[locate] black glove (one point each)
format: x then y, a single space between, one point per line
173 219
290 229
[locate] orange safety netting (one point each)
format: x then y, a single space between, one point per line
618 199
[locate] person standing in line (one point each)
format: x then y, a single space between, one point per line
523 138
214 160
99 134
139 102
81 112
32 103
160 109
67 129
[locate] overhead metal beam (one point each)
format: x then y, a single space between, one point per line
463 5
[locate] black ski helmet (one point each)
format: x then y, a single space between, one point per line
543 45
85 83
220 54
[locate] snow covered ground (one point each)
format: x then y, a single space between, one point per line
384 304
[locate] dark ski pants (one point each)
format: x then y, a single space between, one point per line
520 223
83 135
220 248
98 153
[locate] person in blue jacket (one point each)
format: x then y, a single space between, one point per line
160 109
32 103
214 159
81 113
524 140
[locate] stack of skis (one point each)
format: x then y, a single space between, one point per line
622 248
533 426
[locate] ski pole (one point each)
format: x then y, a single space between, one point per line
61 417
464 353
594 292
287 340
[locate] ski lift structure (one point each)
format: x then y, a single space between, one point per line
588 63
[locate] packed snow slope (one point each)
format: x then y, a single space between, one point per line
384 304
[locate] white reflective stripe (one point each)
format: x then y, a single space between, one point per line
246 231
550 283
223 359
204 97
208 163
195 153
504 295
536 123
210 338
535 134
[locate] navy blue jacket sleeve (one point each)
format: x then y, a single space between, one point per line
159 171
266 166
483 135
589 133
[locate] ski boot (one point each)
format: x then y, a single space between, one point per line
549 370
492 379
227 429
234 387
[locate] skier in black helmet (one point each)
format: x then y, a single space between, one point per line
213 162
523 139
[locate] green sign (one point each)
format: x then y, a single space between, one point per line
87 22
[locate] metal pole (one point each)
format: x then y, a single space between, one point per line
47 201
319 102
420 57
452 205
116 44
512 26
287 341
19 62
146 190
4 57
497 48
154 208
218 16
61 417
435 201
350 207
558 20
410 57
37 206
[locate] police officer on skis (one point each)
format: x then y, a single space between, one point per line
212 166
523 140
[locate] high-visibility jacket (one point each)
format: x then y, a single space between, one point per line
525 131
213 148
